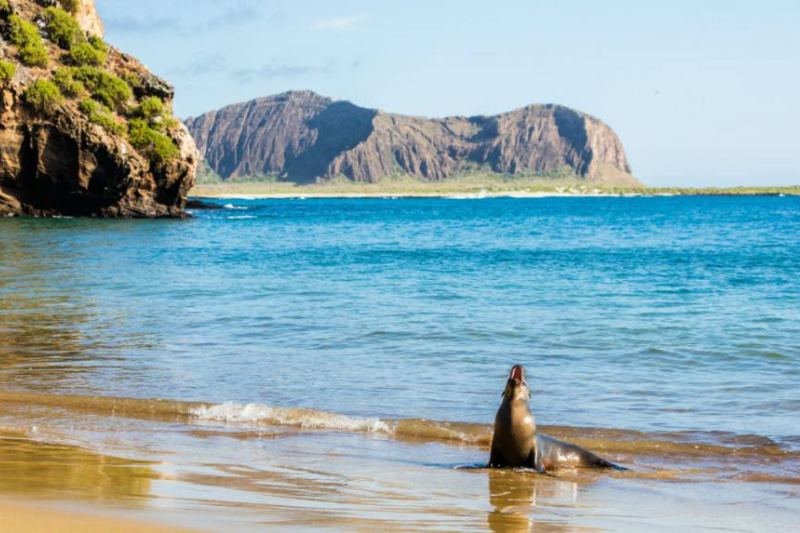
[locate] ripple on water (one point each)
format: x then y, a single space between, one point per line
670 313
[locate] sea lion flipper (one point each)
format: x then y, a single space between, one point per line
580 457
608 464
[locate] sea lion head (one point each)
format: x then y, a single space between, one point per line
517 386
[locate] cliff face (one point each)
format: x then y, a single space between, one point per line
86 15
85 139
303 137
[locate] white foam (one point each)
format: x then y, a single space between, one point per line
476 196
231 206
305 418
241 217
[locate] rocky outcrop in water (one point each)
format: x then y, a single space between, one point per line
303 137
85 130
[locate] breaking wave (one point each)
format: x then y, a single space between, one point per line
286 416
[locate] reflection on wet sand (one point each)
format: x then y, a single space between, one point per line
513 496
42 469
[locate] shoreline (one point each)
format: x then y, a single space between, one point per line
262 192
228 450
390 195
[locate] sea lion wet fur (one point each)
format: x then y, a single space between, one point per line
517 444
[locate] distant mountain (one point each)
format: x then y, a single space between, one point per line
303 137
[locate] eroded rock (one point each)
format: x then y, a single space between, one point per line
59 162
303 137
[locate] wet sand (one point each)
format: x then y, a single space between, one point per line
17 517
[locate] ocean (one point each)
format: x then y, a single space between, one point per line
337 363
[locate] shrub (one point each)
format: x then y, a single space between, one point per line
168 122
132 79
62 27
88 106
99 114
104 86
155 112
157 146
98 43
108 123
7 71
66 81
21 32
5 8
85 54
150 108
26 36
43 95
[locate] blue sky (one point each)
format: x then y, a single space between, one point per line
701 93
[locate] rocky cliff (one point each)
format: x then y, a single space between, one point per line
303 137
85 130
86 15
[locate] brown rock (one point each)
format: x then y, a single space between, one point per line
303 137
63 165
88 18
57 162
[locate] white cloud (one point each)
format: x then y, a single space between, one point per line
338 23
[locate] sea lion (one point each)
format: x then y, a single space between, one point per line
516 442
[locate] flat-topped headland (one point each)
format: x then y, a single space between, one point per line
302 138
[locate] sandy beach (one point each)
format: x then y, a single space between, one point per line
29 517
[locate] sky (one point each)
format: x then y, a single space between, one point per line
701 93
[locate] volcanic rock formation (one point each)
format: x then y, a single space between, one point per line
303 137
85 130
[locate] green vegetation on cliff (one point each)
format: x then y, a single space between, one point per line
93 53
7 71
67 68
150 141
99 114
64 78
62 28
43 95
25 35
88 129
105 87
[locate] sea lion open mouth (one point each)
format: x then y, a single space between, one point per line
517 372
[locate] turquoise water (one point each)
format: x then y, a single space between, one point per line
655 314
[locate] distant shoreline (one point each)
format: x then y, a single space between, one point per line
257 190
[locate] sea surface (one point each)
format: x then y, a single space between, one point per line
341 360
